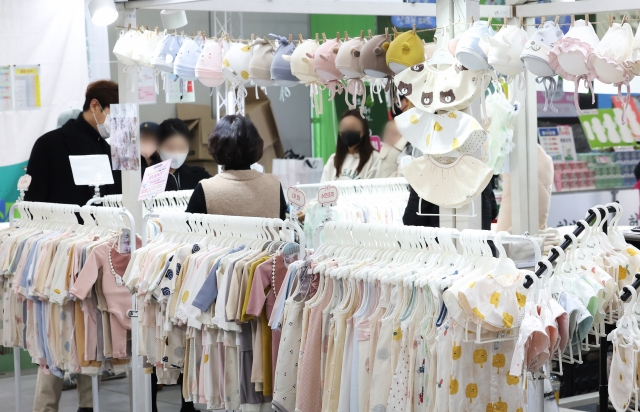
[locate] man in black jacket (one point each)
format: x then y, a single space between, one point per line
52 182
49 166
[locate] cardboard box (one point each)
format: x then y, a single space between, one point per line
201 130
209 166
189 111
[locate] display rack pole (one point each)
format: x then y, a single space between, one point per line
17 375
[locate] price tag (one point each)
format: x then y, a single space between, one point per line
93 170
24 182
296 197
328 196
154 180
376 142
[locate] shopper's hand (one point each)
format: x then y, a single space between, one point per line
301 216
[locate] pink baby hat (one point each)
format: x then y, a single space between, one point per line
324 62
209 65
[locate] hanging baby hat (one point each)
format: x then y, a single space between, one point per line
405 51
281 68
123 48
260 64
209 65
324 61
608 58
569 56
235 69
445 134
536 58
373 62
165 53
302 67
470 48
144 46
187 58
447 184
348 62
633 61
505 49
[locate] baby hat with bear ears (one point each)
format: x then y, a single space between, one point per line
187 58
144 46
209 65
123 49
373 57
260 65
281 67
301 64
405 50
348 58
324 61
165 53
536 51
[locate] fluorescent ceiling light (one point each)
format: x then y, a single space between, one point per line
173 19
103 12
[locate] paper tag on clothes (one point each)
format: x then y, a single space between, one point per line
124 241
500 335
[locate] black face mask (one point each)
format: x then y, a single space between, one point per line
350 137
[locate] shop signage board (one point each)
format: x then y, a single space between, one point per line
604 128
91 170
154 180
26 87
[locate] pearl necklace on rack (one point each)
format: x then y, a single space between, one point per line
119 280
273 275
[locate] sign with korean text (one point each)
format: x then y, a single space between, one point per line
154 180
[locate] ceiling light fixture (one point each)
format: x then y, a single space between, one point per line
103 12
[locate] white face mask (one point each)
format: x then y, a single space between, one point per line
105 128
177 159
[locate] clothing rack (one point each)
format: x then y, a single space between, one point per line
172 200
346 187
92 216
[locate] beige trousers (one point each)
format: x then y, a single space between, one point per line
49 389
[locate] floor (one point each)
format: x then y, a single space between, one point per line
114 395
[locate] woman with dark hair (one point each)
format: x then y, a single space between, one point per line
239 191
174 138
355 157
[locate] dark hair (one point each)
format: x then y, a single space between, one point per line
104 91
235 143
172 127
365 149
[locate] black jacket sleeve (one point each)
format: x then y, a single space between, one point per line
411 218
283 205
197 203
39 168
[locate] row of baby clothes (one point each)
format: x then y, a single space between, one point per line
63 298
204 307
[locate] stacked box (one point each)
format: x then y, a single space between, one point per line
610 170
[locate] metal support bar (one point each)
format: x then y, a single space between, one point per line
575 7
17 375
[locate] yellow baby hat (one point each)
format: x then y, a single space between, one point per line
406 50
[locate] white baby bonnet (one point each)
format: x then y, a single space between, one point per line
447 185
209 66
633 61
144 46
471 50
608 58
505 50
447 134
123 49
165 53
302 66
187 58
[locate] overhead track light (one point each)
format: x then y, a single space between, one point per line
173 19
103 12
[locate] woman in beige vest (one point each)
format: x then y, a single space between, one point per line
239 191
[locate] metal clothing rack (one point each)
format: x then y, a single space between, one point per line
346 187
48 212
603 389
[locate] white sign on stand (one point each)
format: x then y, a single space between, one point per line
91 170
154 180
296 197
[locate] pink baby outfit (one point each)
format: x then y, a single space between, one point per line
118 297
